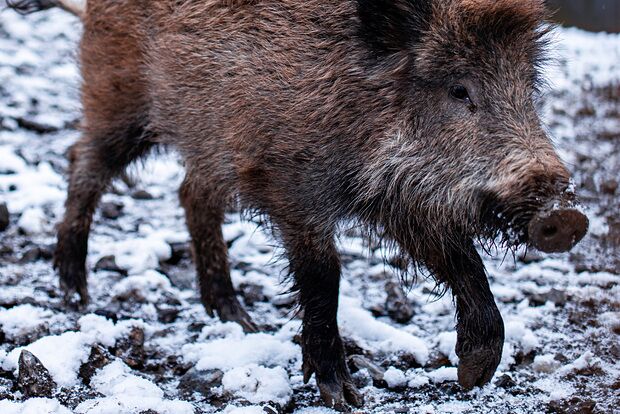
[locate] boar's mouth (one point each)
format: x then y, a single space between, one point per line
554 227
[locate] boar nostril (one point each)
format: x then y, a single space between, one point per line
549 231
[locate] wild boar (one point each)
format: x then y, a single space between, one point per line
414 118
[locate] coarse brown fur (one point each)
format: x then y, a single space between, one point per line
317 112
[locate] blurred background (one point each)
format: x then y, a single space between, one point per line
594 15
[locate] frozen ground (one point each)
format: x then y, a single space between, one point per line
145 345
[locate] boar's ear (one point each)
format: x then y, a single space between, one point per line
389 26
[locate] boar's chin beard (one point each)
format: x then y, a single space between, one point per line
504 223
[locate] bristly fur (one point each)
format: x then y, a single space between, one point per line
389 26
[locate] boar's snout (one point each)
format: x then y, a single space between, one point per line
557 230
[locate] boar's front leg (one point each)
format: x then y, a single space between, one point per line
315 264
480 329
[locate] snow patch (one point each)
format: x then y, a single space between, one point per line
23 319
126 393
258 384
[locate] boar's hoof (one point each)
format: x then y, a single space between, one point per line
338 395
337 391
478 366
557 231
71 285
230 310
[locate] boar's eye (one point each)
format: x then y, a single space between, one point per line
459 92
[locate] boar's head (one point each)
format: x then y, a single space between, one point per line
470 155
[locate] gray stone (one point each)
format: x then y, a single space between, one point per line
397 304
34 380
200 381
4 217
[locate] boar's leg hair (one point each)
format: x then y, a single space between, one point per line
315 265
204 212
114 134
95 160
480 329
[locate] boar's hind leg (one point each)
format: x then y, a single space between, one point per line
316 266
205 215
95 160
480 329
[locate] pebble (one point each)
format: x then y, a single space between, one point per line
555 296
34 380
200 381
609 186
397 304
108 263
4 216
111 210
252 293
179 251
142 195
359 362
98 358
131 348
505 381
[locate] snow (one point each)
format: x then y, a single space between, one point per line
362 326
32 221
394 378
443 374
447 344
126 393
515 330
22 319
258 384
63 354
259 348
37 55
545 363
33 406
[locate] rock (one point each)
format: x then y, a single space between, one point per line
530 256
359 362
108 263
397 304
609 186
111 210
200 381
6 389
34 380
252 293
31 255
505 381
34 126
272 408
167 315
131 348
573 406
142 195
4 217
98 358
179 251
557 297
